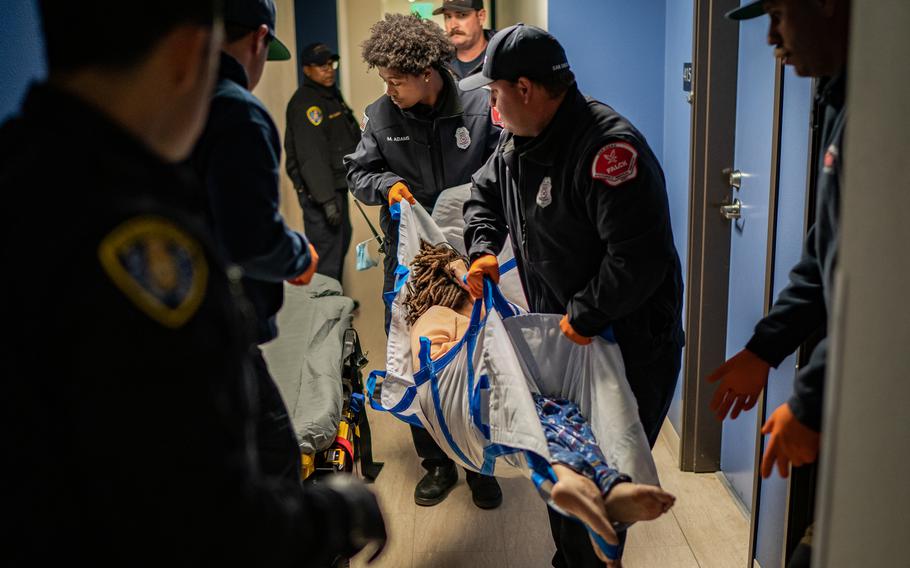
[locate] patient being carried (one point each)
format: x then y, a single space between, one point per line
439 308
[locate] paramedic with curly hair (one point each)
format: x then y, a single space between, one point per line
422 136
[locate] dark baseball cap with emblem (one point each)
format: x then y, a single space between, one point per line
317 54
459 6
252 14
747 11
518 51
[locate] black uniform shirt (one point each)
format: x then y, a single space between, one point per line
237 160
125 419
597 247
429 149
803 306
321 131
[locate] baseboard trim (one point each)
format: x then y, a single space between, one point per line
670 437
735 496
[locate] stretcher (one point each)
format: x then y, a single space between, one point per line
317 362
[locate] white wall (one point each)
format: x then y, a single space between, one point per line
864 510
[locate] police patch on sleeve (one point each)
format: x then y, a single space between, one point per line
314 115
615 164
462 138
158 267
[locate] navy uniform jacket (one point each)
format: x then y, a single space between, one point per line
321 131
237 160
125 419
429 149
597 248
803 306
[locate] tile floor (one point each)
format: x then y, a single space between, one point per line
704 530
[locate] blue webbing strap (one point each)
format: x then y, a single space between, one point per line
508 265
401 278
493 452
475 409
396 410
395 211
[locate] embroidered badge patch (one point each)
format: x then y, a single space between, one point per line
495 116
545 193
615 164
158 266
831 156
462 138
314 114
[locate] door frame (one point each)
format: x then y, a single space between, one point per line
715 63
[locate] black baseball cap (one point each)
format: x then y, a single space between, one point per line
317 54
252 14
459 6
518 51
748 11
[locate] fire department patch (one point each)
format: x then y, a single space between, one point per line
314 114
495 116
615 164
462 138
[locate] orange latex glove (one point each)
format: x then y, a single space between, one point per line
742 379
789 442
398 192
485 265
307 276
570 332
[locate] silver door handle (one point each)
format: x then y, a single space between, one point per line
734 178
732 211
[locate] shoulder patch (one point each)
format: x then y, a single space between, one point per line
158 267
615 164
314 114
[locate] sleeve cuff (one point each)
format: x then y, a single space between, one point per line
807 415
766 350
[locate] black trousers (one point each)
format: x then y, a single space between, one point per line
279 454
431 454
331 241
653 384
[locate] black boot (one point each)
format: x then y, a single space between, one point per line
435 485
485 490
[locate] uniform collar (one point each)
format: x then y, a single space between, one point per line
448 105
833 92
544 147
232 70
52 108
332 91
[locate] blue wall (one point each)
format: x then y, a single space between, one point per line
317 21
21 52
616 49
677 130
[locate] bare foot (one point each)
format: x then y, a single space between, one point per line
631 502
579 496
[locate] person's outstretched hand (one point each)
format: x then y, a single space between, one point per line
742 379
790 441
307 276
398 192
485 265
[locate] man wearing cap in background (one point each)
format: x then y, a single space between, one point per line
582 196
464 25
237 160
321 131
813 38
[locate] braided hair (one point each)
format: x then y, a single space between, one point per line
431 283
